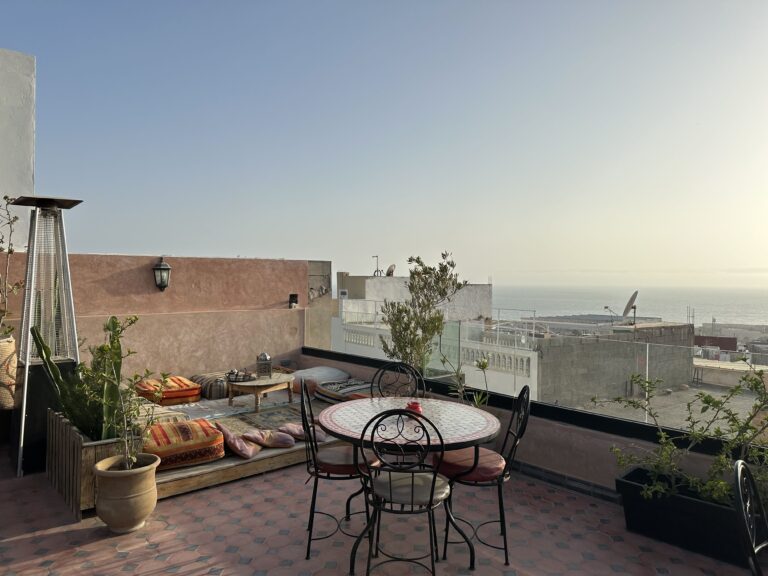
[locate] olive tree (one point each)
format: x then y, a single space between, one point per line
415 322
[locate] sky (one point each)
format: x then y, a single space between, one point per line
583 143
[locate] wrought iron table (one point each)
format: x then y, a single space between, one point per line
460 425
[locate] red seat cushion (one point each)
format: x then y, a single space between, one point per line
490 465
337 460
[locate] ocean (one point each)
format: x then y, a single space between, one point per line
726 306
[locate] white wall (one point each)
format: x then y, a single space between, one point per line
17 124
471 302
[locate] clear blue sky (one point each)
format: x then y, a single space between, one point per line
542 142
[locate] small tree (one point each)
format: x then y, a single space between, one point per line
8 222
414 323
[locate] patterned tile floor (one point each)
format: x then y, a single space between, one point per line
257 527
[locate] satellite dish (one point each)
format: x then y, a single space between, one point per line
629 305
391 270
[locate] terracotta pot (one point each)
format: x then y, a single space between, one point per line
126 498
7 373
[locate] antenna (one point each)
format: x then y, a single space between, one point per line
630 304
378 271
611 312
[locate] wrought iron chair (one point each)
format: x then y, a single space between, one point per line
485 468
398 379
401 478
751 514
335 462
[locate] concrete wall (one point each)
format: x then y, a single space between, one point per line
217 313
17 124
573 370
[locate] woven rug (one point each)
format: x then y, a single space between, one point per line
269 418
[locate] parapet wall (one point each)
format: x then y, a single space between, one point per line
217 313
573 370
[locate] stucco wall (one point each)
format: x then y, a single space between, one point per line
217 313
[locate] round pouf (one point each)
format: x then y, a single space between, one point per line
126 498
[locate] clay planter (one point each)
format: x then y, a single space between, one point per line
126 498
681 519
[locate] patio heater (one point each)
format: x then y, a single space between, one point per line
48 304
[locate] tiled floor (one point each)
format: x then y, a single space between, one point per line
257 527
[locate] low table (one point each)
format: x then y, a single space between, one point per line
262 386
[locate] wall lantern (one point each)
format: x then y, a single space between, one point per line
162 272
293 300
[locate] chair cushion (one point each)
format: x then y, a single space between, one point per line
490 465
335 392
337 459
410 489
176 390
184 443
239 445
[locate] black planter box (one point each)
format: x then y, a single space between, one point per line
682 520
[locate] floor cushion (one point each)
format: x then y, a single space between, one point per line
335 392
270 438
239 445
311 377
175 390
184 443
213 385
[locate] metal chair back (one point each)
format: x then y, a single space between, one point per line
405 449
751 515
518 423
398 379
308 424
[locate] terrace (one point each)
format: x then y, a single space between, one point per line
564 516
257 526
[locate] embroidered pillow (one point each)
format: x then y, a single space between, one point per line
270 438
239 445
297 431
184 443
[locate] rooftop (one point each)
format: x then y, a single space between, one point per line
257 526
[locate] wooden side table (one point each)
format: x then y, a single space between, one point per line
262 386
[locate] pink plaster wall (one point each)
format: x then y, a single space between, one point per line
217 313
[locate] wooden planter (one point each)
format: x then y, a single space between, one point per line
70 458
682 520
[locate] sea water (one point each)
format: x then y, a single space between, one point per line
697 305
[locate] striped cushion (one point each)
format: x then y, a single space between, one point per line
213 385
335 392
184 443
177 390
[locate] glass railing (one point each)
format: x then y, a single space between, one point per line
583 372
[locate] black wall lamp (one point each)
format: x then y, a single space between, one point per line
162 272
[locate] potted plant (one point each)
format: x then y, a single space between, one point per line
663 498
415 323
102 403
7 342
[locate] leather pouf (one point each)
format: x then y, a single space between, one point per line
126 498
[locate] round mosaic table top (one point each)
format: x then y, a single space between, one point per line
460 425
